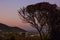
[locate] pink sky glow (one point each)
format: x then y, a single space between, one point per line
9 14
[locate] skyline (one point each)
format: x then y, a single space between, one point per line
9 14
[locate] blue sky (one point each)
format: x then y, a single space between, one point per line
9 14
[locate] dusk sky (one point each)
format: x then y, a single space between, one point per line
9 14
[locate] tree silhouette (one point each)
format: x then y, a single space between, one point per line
41 15
55 24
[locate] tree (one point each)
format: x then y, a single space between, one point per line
55 24
39 16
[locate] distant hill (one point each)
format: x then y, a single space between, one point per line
7 28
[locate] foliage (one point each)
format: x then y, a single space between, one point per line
42 16
16 36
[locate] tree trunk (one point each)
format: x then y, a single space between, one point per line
40 35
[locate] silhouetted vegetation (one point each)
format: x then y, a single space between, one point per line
43 16
16 36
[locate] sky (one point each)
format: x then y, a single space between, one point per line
9 14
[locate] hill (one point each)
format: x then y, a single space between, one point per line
6 28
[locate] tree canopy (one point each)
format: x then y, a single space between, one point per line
40 15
